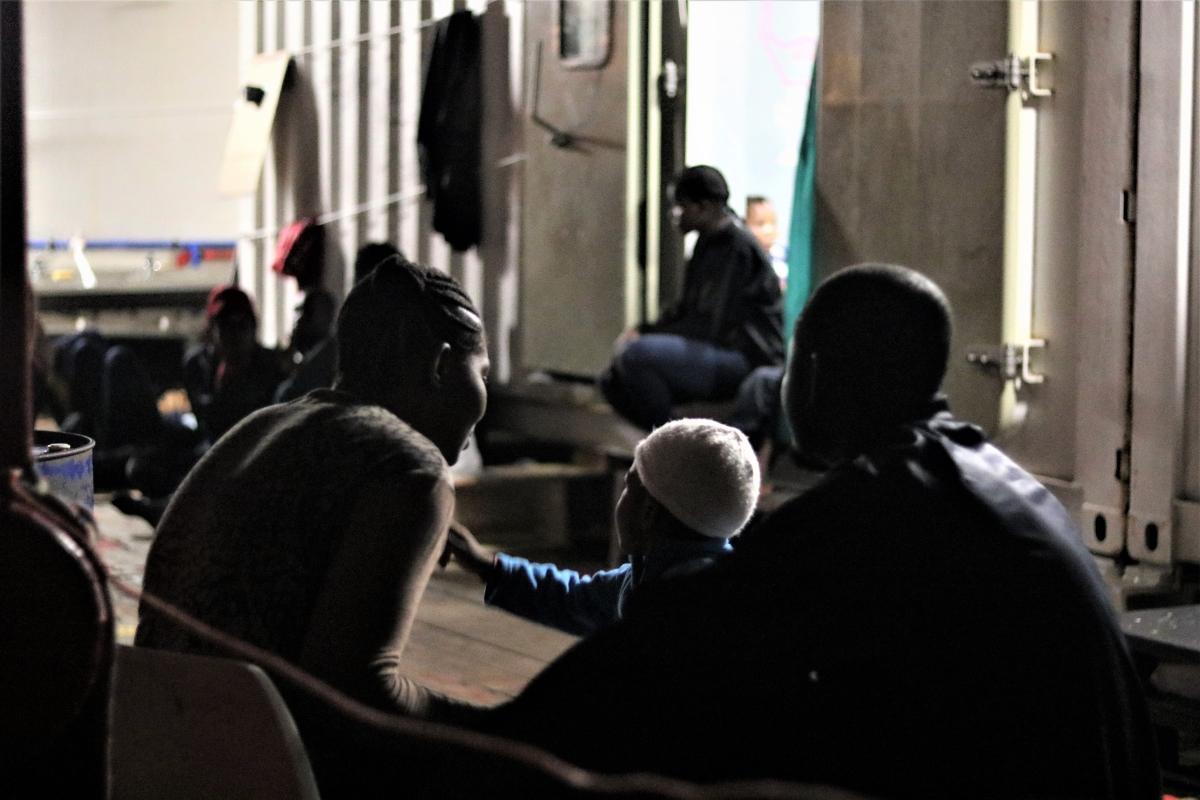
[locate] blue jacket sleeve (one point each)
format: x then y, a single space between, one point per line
560 598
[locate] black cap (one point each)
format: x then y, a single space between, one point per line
701 183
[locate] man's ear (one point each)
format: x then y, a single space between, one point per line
440 364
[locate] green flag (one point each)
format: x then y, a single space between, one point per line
804 210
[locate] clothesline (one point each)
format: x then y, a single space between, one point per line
401 30
334 216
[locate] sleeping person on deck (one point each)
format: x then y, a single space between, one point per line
692 487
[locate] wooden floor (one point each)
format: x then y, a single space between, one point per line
458 646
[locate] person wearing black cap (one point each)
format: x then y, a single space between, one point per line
726 322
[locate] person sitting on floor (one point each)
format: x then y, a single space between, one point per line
230 374
692 487
312 527
727 321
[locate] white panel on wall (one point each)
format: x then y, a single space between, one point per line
249 221
127 118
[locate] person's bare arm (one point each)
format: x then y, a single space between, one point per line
393 537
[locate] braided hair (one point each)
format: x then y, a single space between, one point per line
395 318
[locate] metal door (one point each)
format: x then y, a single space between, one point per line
910 162
1018 203
579 281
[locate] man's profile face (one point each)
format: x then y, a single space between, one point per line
461 399
688 214
630 514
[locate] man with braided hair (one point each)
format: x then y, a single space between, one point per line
311 528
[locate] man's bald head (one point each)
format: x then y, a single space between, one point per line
870 351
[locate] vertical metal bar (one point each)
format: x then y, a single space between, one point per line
654 58
1020 204
347 119
409 236
378 121
633 166
15 301
269 186
395 42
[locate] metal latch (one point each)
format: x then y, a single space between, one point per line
1011 361
1012 73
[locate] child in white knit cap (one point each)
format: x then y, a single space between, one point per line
692 487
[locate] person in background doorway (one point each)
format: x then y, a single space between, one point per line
230 374
727 321
762 221
693 486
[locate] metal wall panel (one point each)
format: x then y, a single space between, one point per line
1164 194
345 149
910 163
573 236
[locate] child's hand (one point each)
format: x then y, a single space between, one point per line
463 547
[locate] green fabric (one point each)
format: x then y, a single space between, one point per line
804 211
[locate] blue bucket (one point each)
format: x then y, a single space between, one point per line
64 461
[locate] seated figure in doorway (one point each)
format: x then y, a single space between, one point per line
692 487
924 622
727 321
312 527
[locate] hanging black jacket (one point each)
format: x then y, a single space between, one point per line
448 131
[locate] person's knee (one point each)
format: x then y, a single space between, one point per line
637 355
609 384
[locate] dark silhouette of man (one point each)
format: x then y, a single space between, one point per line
924 622
726 321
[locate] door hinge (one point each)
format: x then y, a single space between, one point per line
1010 361
1012 73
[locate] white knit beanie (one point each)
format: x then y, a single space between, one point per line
703 472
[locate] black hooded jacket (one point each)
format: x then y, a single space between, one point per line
923 623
